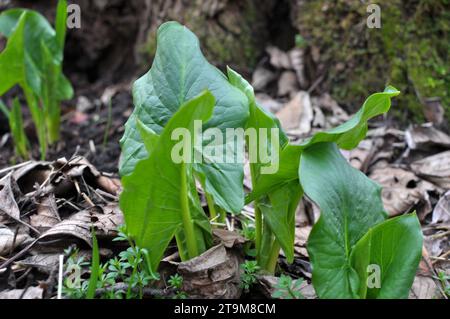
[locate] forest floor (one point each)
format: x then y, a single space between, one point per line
53 202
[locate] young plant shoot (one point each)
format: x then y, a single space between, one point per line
33 60
160 200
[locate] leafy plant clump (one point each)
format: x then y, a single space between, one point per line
122 277
249 271
33 60
160 200
286 288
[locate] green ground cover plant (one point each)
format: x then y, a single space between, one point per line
33 60
160 200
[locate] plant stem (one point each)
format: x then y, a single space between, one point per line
273 257
223 216
186 215
108 123
181 250
38 117
258 216
211 206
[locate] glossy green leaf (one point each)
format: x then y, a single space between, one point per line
350 204
152 195
179 73
393 248
346 136
12 66
349 134
279 213
95 268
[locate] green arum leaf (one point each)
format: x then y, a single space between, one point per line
395 246
95 268
278 208
347 136
279 213
352 233
350 204
179 73
36 30
152 195
36 65
12 66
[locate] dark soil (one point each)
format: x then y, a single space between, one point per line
82 133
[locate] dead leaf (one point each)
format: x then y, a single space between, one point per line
335 115
45 263
403 191
424 288
435 169
287 84
301 239
441 212
297 57
105 221
47 214
12 238
229 238
8 204
110 185
262 77
213 274
426 137
297 115
28 293
268 103
278 58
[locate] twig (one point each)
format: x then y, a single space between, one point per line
12 168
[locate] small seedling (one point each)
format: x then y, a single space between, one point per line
176 283
131 268
16 126
33 60
444 279
248 278
286 288
353 232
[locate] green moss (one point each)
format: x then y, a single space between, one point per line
409 50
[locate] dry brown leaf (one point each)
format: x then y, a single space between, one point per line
278 58
287 84
441 212
268 103
229 238
301 238
261 78
105 220
424 288
12 238
28 293
334 114
47 214
8 204
32 174
403 191
426 137
110 185
45 263
297 57
297 115
435 169
213 274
